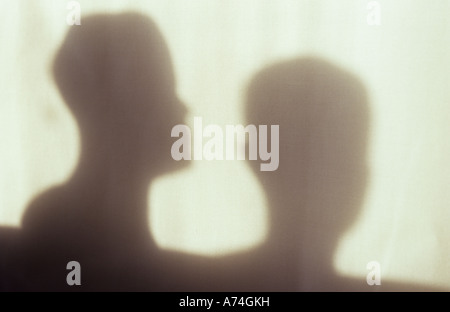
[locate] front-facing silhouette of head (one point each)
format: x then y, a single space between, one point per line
317 191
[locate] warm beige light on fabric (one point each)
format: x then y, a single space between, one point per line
217 48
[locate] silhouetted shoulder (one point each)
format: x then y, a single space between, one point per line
397 286
45 209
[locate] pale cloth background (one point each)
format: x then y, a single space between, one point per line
216 47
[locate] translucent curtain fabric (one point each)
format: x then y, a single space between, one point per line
217 47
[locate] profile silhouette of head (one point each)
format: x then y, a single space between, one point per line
115 74
317 191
